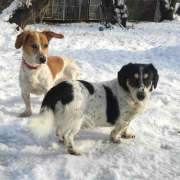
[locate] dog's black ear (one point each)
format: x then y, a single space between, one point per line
21 38
122 76
155 74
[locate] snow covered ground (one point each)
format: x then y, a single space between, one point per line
154 153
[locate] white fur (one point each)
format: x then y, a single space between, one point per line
40 48
43 125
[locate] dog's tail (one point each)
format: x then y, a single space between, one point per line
43 124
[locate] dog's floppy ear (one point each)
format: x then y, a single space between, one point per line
20 39
155 75
50 35
122 76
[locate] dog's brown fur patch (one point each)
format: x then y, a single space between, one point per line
55 65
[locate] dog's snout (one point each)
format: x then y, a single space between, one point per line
141 88
141 96
42 60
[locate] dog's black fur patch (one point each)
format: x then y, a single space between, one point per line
62 92
89 86
112 110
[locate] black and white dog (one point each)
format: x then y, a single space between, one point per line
113 103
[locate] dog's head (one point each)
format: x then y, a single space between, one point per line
35 45
138 79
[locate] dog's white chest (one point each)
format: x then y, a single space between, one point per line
131 110
36 81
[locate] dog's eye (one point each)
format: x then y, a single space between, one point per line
133 82
147 82
46 45
34 46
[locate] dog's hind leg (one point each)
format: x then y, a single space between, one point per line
59 133
26 97
65 137
69 140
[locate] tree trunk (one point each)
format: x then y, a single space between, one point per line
114 11
164 10
173 4
178 11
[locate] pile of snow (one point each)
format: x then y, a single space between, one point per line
7 13
153 154
176 17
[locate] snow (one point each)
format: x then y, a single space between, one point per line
176 17
153 154
7 13
120 2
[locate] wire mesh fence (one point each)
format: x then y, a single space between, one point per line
77 10
74 10
141 10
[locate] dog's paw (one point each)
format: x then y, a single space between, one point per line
128 135
58 132
61 139
74 151
26 114
116 139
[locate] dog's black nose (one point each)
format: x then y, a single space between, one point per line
140 96
42 60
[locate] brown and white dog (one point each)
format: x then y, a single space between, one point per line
39 73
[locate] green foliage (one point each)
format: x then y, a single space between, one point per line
134 9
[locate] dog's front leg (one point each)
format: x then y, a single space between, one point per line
127 134
116 133
26 97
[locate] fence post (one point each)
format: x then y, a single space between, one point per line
64 10
79 10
